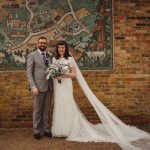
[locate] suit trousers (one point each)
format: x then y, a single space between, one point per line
41 111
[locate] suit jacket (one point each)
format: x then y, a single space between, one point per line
36 71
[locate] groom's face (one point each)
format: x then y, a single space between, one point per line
42 44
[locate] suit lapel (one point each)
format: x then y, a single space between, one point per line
38 55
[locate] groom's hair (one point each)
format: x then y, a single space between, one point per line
41 38
66 55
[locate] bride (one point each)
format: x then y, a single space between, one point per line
69 121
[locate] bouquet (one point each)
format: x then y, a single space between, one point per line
56 69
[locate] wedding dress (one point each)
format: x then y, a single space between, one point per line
69 121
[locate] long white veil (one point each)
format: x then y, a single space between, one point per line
128 137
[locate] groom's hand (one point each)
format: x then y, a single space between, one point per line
35 91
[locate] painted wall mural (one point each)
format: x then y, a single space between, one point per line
86 25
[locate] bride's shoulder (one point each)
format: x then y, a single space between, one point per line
70 57
71 60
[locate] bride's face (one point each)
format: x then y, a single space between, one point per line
61 49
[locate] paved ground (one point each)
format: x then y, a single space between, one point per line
22 139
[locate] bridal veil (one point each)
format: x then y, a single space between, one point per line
128 137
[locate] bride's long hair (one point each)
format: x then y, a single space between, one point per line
66 54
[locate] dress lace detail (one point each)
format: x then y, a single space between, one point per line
69 121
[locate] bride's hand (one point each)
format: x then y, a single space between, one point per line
58 78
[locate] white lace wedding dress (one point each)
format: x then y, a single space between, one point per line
69 122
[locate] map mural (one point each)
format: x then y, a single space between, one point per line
86 25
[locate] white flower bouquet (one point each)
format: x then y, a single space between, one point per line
56 69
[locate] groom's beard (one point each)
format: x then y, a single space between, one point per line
42 48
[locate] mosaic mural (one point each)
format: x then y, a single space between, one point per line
86 25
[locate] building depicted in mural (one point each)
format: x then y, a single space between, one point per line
86 25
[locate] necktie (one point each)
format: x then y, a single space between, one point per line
43 57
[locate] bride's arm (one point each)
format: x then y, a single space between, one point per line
70 74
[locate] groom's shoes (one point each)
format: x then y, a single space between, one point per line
48 134
37 136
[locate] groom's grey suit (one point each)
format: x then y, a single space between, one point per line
37 78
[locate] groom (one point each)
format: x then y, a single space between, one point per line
41 88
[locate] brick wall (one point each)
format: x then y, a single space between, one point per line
125 90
